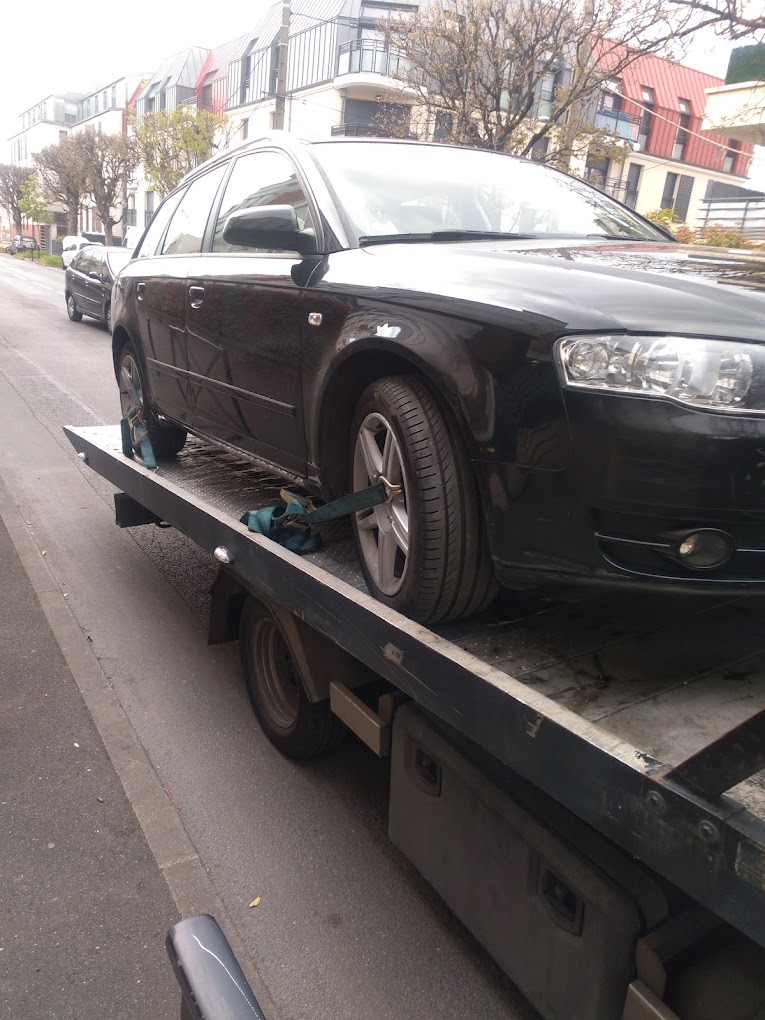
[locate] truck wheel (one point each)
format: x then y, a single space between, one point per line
424 552
295 725
166 440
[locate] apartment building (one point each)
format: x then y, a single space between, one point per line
657 107
338 70
45 123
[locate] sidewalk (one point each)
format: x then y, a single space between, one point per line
83 906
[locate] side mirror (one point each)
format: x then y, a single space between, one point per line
270 227
94 276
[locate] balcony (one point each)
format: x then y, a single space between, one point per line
367 131
625 125
738 110
368 56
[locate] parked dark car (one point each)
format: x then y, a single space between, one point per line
561 391
89 280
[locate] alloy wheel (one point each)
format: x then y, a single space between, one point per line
129 374
383 531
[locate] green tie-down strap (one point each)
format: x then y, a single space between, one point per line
135 434
290 525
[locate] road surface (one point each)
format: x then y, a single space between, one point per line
346 928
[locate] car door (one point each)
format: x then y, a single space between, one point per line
96 287
160 293
243 322
81 266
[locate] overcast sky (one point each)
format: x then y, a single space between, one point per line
50 49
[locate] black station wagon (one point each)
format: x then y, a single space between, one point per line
558 390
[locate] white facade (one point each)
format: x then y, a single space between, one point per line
739 109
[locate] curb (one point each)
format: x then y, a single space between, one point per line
174 853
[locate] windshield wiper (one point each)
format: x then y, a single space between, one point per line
445 235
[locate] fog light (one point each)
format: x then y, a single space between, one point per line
705 549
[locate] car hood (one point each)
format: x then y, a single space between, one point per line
591 285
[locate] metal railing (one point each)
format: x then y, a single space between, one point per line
368 55
744 214
625 125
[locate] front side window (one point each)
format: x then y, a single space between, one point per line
187 227
260 178
148 244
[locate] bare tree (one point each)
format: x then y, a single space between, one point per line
109 162
507 76
12 180
63 175
736 19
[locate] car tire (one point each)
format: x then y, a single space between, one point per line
166 439
71 309
295 725
440 568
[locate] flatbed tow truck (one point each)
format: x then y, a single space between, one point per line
579 780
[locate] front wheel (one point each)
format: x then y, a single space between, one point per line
294 724
424 552
71 309
166 440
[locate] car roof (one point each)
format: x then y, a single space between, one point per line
293 143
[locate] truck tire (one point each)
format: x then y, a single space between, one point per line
296 726
425 552
166 440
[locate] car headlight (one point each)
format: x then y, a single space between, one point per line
721 375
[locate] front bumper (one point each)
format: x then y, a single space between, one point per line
617 480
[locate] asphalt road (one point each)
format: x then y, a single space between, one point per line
345 928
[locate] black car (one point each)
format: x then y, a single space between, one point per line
559 390
89 280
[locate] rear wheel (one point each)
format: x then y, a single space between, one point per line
424 552
295 725
71 309
166 440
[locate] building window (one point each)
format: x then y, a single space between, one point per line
632 184
114 96
681 137
644 129
668 195
162 99
61 135
539 149
729 162
245 128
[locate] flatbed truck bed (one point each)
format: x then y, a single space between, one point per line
643 716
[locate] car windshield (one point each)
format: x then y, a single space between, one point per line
394 191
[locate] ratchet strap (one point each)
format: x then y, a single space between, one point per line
135 434
290 525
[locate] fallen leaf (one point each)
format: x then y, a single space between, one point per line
255 902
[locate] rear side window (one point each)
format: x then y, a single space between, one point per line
150 240
187 227
260 178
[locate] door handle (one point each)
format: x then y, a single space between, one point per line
197 295
140 288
